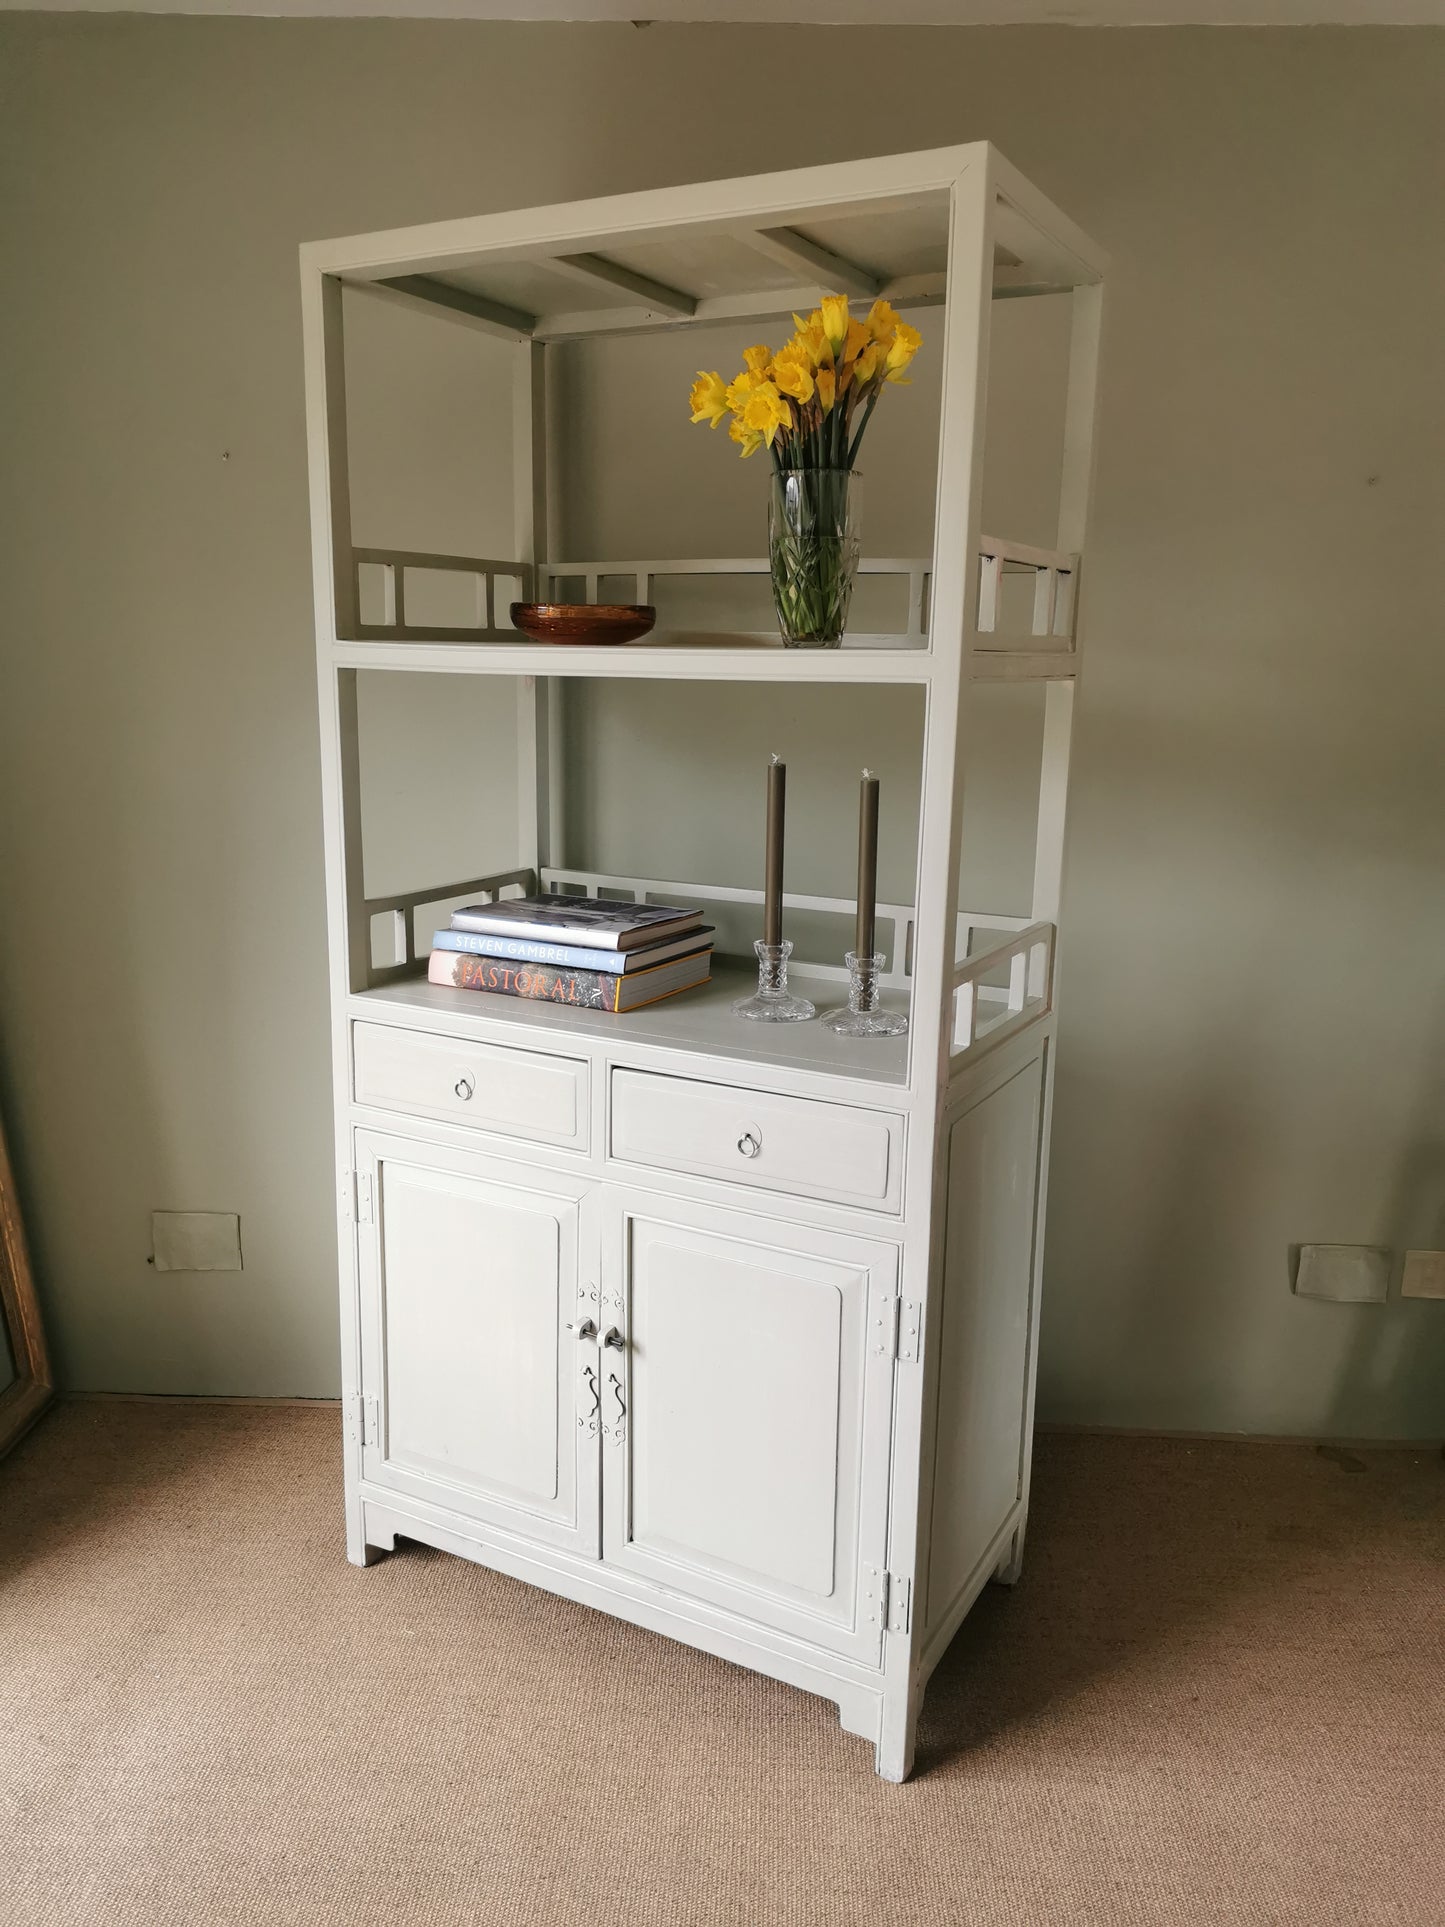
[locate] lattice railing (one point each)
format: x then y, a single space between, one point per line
401 909
392 566
985 1014
643 577
1049 641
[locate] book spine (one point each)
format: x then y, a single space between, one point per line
525 951
583 989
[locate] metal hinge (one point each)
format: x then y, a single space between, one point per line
888 1600
897 1329
363 1420
363 1197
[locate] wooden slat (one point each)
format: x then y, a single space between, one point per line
348 751
495 316
332 402
655 295
1024 665
793 250
405 900
1026 553
990 571
422 559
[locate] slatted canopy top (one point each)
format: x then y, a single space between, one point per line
719 251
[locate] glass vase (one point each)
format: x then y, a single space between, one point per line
813 548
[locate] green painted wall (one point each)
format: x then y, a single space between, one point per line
1254 920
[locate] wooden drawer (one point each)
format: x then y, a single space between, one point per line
755 1138
517 1093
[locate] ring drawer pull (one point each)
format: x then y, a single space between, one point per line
750 1143
464 1086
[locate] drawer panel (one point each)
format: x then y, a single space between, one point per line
756 1138
517 1093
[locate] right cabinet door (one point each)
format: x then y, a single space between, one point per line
746 1415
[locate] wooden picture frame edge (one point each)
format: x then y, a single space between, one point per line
22 1402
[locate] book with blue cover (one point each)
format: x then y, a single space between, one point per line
573 956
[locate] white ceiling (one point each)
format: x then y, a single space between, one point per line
875 13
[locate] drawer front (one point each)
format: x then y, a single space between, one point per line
517 1093
754 1138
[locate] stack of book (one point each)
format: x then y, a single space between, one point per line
586 951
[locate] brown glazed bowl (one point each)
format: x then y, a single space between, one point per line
583 621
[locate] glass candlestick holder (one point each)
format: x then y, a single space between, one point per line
865 1015
773 1002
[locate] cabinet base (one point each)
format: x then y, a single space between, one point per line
863 1703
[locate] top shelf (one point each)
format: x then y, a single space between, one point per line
719 251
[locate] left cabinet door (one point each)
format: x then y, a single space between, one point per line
475 1275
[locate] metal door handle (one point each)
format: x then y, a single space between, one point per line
587 1329
591 1420
750 1144
613 1338
616 1432
464 1086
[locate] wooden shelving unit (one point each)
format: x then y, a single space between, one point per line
725 1329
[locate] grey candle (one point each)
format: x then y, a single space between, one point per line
773 873
867 862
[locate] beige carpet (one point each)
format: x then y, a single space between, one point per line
1217 1696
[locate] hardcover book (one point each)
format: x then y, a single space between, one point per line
593 923
574 956
581 989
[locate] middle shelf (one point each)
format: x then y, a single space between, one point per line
1026 601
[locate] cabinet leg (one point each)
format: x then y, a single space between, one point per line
1010 1567
362 1550
897 1736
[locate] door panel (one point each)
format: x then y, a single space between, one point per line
697 1471
751 1469
471 1273
993 1151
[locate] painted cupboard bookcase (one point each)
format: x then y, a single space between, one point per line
726 1329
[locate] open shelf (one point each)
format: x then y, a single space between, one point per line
697 1022
707 659
1046 650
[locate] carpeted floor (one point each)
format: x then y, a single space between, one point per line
1218 1696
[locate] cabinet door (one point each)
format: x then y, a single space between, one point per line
480 1397
746 1417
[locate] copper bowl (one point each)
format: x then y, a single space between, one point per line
583 621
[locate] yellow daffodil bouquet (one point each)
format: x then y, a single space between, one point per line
810 405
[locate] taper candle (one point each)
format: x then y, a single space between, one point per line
773 873
867 862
